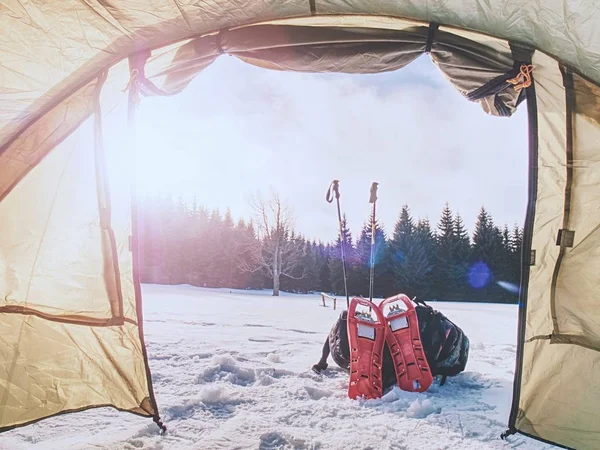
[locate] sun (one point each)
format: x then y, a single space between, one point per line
155 156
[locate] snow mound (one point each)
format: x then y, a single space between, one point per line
421 409
212 394
274 358
225 368
316 393
207 397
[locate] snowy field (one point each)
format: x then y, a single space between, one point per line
232 371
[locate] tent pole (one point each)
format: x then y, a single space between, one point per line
335 187
132 103
372 200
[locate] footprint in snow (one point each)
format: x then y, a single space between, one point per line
275 440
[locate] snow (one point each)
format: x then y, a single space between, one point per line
231 370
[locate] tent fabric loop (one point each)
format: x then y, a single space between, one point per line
133 86
509 432
218 43
496 85
157 420
519 77
433 27
139 83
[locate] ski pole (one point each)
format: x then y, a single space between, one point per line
334 188
372 200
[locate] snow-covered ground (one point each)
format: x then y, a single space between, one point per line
231 370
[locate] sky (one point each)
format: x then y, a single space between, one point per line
238 130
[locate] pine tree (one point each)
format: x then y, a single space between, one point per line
486 257
423 258
198 244
444 283
151 240
227 253
403 232
186 243
504 256
257 279
461 236
460 260
516 243
168 218
212 249
186 218
361 269
309 269
324 283
178 261
411 255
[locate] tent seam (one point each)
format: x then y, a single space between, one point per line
86 320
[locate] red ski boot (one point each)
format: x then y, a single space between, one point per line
366 337
404 341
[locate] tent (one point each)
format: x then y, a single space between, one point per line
71 333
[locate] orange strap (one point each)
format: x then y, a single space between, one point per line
523 79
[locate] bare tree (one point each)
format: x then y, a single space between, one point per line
276 250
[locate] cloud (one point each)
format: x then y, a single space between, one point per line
238 129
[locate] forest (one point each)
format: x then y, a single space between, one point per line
189 244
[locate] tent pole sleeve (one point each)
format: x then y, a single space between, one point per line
111 272
569 105
526 247
133 99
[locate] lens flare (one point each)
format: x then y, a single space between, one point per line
479 275
510 287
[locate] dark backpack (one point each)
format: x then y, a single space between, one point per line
445 344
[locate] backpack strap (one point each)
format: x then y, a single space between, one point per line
322 364
420 302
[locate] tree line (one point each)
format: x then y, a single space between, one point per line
190 244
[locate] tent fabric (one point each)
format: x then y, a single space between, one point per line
467 64
576 311
70 306
63 344
559 394
61 367
559 388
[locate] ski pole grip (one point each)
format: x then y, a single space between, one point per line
334 187
373 198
